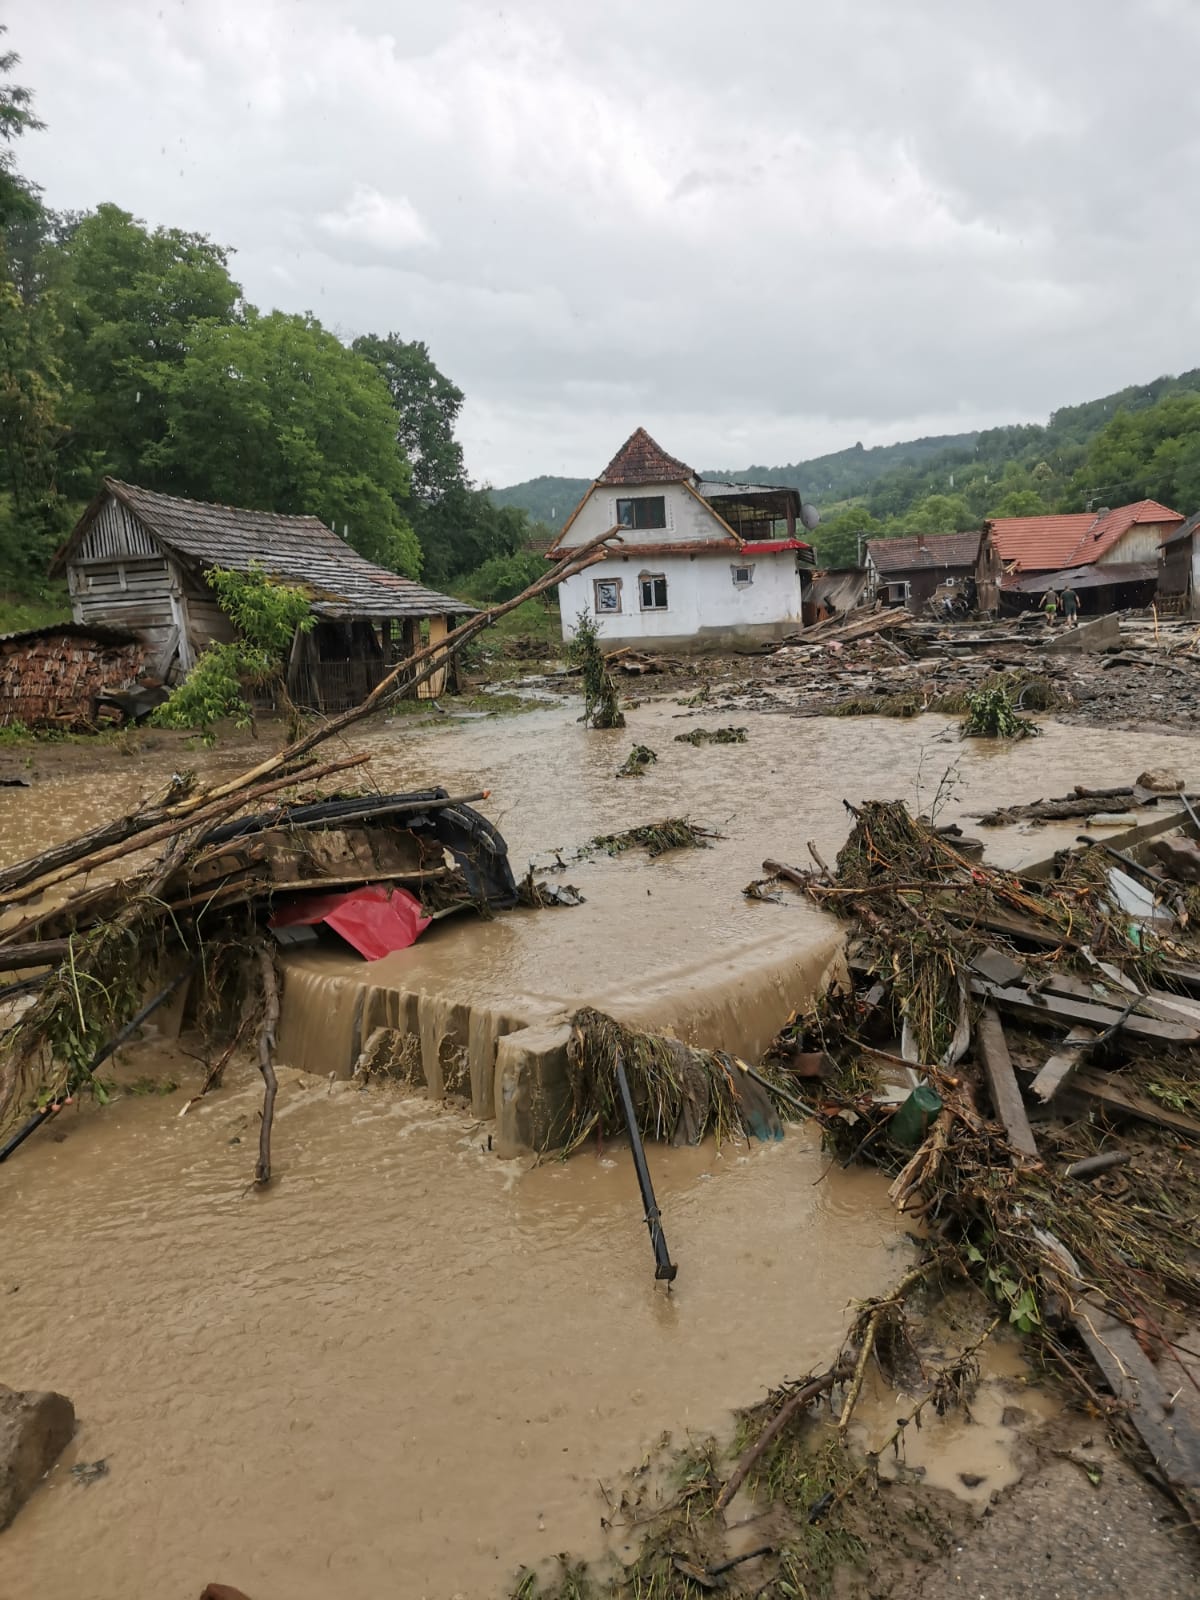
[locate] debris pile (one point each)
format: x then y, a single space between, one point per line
1033 1019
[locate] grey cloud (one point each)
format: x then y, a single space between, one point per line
761 231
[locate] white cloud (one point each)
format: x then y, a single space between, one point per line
390 224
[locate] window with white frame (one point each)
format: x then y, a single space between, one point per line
653 587
606 596
646 511
743 575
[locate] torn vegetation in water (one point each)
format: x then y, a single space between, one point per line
636 762
699 736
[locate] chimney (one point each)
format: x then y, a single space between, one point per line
920 541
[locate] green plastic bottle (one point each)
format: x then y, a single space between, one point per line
910 1124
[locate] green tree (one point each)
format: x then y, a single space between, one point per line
502 577
18 197
838 540
132 301
273 412
940 513
1019 503
427 407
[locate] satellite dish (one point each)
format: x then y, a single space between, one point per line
809 515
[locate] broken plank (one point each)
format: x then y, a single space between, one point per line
1059 1068
1153 1003
1107 1089
1165 1430
1002 1081
1031 1006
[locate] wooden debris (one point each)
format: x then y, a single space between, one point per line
1031 1006
1002 1081
1060 1066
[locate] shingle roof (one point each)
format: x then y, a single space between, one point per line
1043 544
300 550
924 551
641 460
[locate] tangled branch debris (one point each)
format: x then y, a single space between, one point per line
680 1093
938 940
699 736
636 762
656 838
91 945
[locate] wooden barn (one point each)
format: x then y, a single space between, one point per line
137 561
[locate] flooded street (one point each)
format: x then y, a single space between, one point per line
404 1367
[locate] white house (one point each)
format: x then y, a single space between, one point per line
702 565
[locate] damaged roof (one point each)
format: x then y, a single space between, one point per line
291 549
642 460
923 551
99 633
1075 539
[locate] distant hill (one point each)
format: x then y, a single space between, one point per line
888 480
548 500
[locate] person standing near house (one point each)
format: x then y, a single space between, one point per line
1070 605
1050 607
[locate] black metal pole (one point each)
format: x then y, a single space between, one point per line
102 1055
664 1269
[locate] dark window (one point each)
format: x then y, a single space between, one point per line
607 594
647 511
654 593
742 576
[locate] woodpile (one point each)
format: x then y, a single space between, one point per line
53 676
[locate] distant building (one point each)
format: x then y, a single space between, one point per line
911 571
1110 557
137 561
1178 589
702 565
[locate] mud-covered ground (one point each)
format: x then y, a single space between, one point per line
908 671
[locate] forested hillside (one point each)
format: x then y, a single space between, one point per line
1141 441
132 351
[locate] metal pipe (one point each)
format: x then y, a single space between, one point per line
101 1056
665 1269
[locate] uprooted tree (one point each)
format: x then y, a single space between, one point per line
600 708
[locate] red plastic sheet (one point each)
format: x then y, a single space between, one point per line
375 919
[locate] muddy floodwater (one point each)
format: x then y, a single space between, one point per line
404 1368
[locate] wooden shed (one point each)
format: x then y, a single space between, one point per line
137 560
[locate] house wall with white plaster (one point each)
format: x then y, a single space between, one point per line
688 517
705 608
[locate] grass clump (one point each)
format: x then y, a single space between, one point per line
991 714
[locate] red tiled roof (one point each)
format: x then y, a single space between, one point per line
924 551
1045 544
641 460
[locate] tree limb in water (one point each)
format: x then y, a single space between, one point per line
266 1063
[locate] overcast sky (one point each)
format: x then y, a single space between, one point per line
763 229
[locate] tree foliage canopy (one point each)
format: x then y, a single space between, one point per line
130 350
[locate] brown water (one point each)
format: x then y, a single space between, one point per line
401 1370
